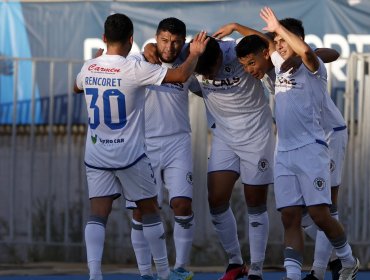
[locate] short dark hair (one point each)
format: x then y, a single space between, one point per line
118 28
293 25
250 44
208 59
172 25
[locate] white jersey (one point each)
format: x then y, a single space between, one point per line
236 101
269 81
299 99
167 106
115 94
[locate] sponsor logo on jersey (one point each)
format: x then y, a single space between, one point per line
319 184
112 141
223 83
94 138
263 165
332 166
189 178
98 69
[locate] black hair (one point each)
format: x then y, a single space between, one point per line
293 25
118 28
208 60
250 44
172 25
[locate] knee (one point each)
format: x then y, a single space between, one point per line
181 206
219 210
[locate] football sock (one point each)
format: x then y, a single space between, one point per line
141 249
183 234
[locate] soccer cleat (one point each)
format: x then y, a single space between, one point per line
335 266
146 277
310 276
254 277
235 271
350 272
181 274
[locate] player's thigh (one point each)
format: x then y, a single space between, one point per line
220 187
312 166
255 195
138 181
286 186
102 183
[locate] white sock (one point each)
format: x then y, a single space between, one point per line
225 226
293 263
343 251
141 248
183 234
258 235
94 239
154 234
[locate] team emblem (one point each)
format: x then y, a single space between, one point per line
228 69
319 184
189 178
94 138
263 165
332 166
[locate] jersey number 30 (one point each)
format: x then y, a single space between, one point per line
113 100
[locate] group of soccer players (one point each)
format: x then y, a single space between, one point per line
139 141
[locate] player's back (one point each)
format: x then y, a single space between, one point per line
115 94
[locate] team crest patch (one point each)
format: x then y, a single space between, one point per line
189 178
228 69
94 138
332 166
263 165
319 184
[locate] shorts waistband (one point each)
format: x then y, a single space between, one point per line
339 128
318 141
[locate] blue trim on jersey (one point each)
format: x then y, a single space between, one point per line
322 143
117 168
339 128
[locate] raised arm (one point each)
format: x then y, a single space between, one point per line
303 50
243 30
183 72
151 53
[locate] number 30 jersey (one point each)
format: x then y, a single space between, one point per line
114 90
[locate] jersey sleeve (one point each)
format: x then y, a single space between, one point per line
194 84
149 74
321 71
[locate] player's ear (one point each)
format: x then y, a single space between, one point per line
266 53
104 38
131 39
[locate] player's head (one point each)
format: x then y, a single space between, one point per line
293 25
170 36
253 53
118 29
210 61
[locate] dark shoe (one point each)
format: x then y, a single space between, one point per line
235 271
254 277
310 276
335 266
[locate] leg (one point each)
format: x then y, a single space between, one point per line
256 197
100 208
154 234
140 245
293 240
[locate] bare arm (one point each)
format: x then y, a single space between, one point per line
327 55
182 73
243 30
151 54
303 50
76 89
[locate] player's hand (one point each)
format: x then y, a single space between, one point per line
98 53
269 17
224 31
199 43
151 54
291 64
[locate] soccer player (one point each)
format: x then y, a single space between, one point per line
302 160
115 155
242 146
168 140
253 53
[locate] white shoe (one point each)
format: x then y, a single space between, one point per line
349 273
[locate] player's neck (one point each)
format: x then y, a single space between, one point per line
117 49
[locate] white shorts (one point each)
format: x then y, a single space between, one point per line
253 161
135 182
302 176
337 141
171 158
